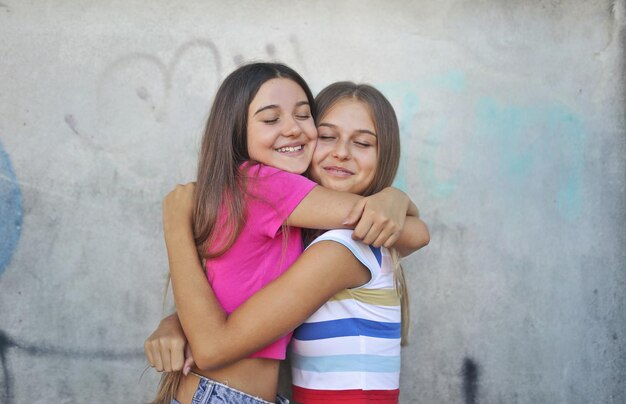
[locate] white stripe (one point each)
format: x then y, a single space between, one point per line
345 380
347 346
361 251
382 281
350 308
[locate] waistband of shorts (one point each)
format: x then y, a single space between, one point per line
279 399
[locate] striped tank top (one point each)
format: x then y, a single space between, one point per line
348 351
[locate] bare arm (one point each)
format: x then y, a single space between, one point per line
196 300
379 220
217 339
414 236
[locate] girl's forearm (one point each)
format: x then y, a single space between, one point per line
200 313
217 340
414 235
412 209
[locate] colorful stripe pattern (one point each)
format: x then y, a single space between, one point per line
349 349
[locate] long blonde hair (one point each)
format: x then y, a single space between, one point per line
388 133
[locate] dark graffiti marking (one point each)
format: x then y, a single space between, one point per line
296 49
238 60
39 350
271 50
471 375
7 379
71 122
131 70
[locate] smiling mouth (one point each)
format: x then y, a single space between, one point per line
290 149
338 171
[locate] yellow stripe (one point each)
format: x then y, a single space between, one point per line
379 297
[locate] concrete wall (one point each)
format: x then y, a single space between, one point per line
514 139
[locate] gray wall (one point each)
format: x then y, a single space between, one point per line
514 139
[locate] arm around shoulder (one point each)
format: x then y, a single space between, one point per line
282 305
323 209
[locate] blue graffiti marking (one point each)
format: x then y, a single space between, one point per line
569 197
10 210
437 186
410 104
538 143
407 101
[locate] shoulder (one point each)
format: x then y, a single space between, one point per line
370 257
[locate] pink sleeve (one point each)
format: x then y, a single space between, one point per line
273 195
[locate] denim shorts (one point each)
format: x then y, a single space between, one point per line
210 391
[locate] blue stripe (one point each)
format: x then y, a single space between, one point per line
346 363
347 327
378 254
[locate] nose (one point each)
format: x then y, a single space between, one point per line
292 128
341 151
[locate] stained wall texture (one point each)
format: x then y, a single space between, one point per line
513 135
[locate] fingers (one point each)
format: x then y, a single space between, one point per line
165 354
165 357
386 237
148 352
177 355
391 240
356 213
153 352
363 227
180 192
376 230
189 362
178 206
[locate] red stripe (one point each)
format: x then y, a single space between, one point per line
308 396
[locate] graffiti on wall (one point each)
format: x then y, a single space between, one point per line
525 143
531 149
424 148
537 144
10 210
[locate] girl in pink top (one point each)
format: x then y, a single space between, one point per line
250 203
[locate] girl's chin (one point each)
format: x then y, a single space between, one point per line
335 185
292 168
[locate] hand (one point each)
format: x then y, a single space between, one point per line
380 217
166 348
178 206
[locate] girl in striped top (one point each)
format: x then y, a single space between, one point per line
349 348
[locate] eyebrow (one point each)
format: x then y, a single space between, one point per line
274 106
330 125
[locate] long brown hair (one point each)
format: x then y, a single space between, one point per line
388 134
220 185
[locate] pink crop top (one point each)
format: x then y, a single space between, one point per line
258 255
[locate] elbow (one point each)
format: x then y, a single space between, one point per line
210 361
421 241
425 239
209 357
